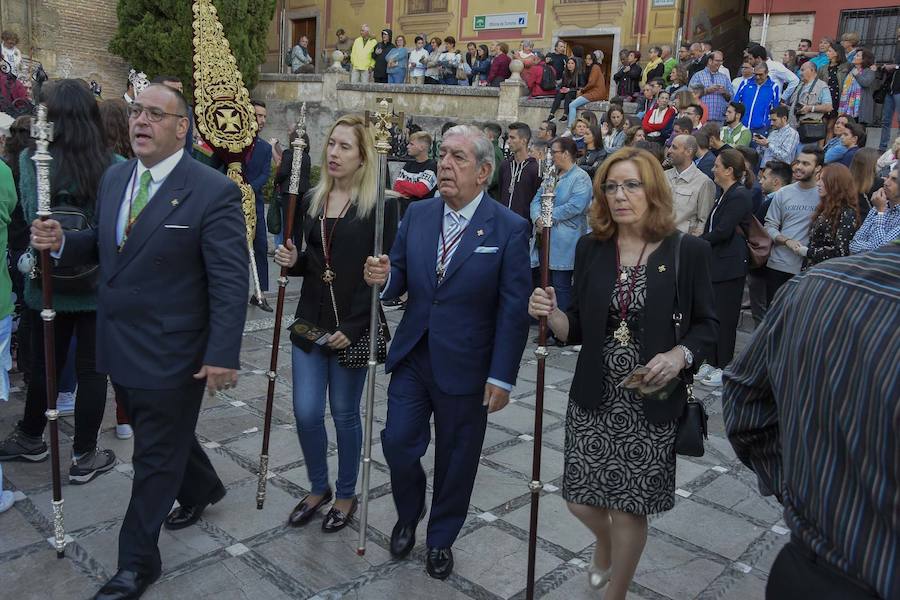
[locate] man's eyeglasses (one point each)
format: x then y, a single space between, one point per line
154 115
610 188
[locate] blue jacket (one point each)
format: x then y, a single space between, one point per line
258 167
174 298
476 320
758 101
573 196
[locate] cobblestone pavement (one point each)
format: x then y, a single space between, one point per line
718 542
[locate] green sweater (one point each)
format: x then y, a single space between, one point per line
7 204
28 192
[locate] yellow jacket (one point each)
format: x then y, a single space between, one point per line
361 57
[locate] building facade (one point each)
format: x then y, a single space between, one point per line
608 25
876 21
69 38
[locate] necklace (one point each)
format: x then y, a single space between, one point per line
623 333
328 274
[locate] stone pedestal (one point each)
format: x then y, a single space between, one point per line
330 80
510 94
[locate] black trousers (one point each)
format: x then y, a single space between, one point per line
169 464
729 295
774 280
90 400
563 99
799 573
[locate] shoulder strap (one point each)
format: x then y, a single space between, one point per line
677 316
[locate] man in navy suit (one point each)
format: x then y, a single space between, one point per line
463 260
172 249
258 169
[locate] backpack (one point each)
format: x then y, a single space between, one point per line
548 77
80 279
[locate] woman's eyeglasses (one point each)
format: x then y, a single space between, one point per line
630 187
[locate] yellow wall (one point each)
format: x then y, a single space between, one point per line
547 19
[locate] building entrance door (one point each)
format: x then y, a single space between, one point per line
591 43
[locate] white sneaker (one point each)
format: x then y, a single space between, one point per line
703 371
124 431
7 499
65 403
714 379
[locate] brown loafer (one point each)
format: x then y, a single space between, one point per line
336 520
305 511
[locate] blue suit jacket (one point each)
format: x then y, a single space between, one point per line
259 167
174 298
477 318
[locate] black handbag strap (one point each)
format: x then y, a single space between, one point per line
678 317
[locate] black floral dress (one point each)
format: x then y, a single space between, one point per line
614 458
834 86
827 242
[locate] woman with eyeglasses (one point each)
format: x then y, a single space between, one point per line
620 442
80 156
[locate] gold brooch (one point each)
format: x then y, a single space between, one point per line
662 268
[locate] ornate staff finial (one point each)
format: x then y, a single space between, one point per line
138 81
383 120
299 145
42 132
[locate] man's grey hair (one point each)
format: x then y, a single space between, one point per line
689 142
484 149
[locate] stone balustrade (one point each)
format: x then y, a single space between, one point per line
330 94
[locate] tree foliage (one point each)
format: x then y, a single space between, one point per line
155 36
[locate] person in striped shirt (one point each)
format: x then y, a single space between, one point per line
812 406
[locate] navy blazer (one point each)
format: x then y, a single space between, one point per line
175 297
258 167
724 232
477 318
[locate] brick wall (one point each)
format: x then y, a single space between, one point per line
70 38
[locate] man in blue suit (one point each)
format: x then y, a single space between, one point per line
463 260
258 168
171 244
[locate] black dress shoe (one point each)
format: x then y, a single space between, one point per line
126 585
185 516
336 520
439 562
260 304
403 537
304 511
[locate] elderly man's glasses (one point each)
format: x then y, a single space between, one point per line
154 115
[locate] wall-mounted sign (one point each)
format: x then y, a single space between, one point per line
663 3
504 21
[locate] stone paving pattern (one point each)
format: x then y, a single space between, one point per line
718 542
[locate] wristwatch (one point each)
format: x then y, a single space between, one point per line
688 355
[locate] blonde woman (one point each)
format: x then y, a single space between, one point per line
337 226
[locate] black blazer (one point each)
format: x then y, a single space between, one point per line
594 282
174 298
352 243
729 247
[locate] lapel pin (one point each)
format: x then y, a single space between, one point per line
175 202
480 232
662 268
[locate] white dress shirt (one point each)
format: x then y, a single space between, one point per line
158 174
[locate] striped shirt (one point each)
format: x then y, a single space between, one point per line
813 407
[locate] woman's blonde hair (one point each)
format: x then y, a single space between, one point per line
364 188
659 220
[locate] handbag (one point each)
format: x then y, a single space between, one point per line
811 131
273 214
356 355
759 242
80 279
692 428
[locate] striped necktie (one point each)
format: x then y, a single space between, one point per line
451 234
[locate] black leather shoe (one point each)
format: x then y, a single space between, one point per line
126 585
304 511
185 516
439 562
336 520
260 304
403 537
